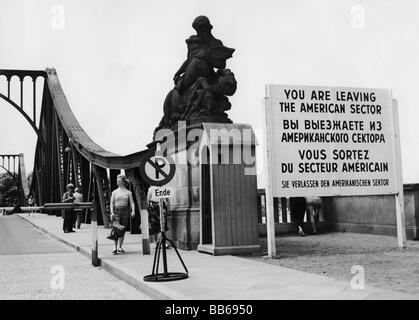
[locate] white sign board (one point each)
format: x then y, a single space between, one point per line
327 141
157 193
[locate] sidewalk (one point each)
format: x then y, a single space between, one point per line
221 277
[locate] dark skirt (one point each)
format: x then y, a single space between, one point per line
154 218
298 209
122 216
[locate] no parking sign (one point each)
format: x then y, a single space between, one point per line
156 169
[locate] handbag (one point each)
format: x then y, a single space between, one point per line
118 228
112 235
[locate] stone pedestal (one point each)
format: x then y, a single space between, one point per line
183 221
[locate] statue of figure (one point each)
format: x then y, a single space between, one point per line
200 91
197 46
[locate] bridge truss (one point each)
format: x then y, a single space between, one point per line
66 154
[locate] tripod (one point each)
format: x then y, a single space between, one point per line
161 248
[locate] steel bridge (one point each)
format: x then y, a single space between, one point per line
64 152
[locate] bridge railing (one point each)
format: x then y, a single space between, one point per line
63 206
282 213
284 220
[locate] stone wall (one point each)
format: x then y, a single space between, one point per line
373 214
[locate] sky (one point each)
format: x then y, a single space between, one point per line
116 59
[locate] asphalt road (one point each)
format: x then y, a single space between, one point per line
35 266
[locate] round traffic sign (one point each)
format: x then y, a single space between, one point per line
156 169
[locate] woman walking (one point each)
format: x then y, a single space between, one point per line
78 197
298 210
314 204
31 203
121 205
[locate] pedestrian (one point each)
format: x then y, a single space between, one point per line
298 210
154 215
78 198
31 204
16 207
68 197
122 203
314 205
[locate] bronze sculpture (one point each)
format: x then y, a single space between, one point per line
200 92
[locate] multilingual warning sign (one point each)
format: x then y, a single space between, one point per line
324 141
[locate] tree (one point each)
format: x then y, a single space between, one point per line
9 190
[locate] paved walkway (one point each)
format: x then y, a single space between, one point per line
221 277
34 266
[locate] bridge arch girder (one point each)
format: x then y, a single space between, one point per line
9 74
22 112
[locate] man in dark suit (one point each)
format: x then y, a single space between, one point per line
68 197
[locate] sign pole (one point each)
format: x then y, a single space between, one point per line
270 221
144 231
163 237
162 231
93 221
400 217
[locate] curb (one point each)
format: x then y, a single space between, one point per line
54 236
153 290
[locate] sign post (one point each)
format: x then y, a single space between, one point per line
93 221
270 221
331 141
400 218
157 171
144 231
81 205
